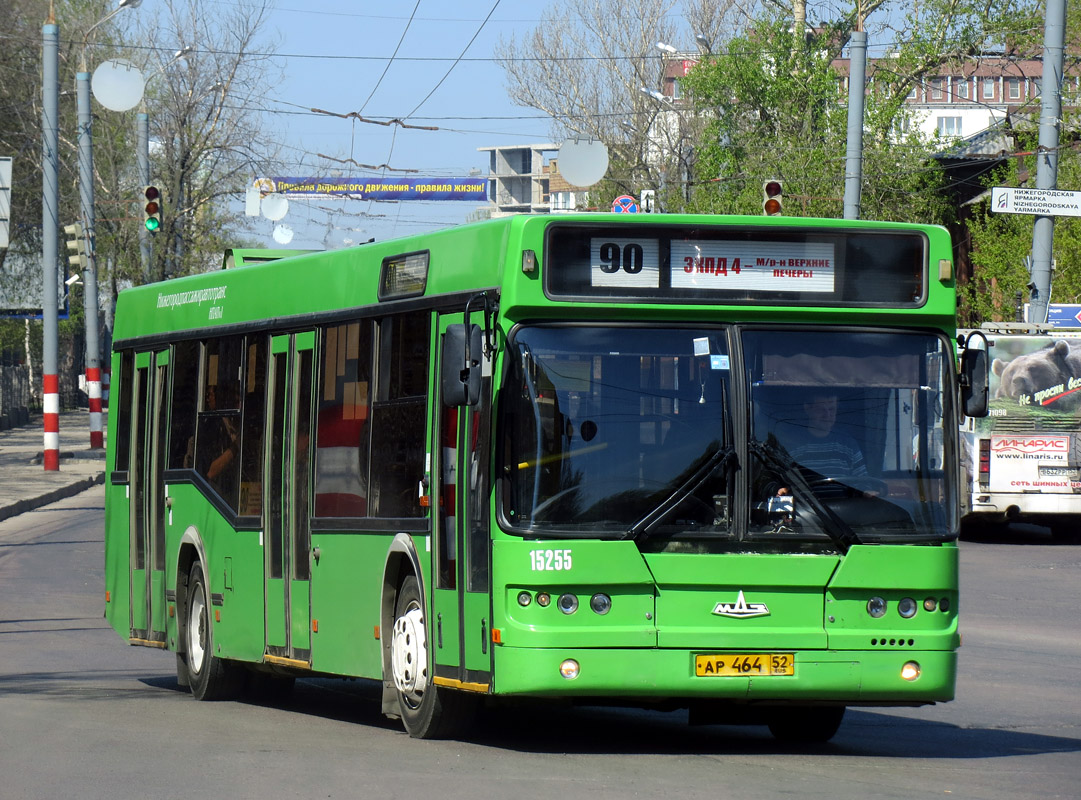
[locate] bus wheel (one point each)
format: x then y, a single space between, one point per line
211 678
807 725
428 711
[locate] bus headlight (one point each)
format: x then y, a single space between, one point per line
600 603
910 671
906 607
569 669
524 599
567 603
876 607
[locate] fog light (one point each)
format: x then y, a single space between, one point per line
910 671
524 599
876 607
543 599
930 604
906 607
569 669
567 603
600 603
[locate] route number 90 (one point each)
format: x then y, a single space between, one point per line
629 258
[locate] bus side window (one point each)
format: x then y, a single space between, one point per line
123 424
251 456
185 364
343 431
398 416
217 453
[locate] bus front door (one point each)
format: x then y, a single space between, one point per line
286 521
150 428
461 602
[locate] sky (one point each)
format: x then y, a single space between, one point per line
428 62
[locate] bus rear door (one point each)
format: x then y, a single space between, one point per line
150 427
287 546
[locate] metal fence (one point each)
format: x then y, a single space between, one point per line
15 395
20 384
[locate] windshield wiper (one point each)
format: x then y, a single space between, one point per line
835 527
724 457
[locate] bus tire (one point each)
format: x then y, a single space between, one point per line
183 677
806 725
428 711
210 677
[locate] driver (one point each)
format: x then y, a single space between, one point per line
817 447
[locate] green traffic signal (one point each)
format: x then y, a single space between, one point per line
152 208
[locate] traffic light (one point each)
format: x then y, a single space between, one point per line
773 193
151 208
77 245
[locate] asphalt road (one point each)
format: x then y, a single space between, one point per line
82 715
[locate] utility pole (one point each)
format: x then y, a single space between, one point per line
857 75
142 160
86 211
90 296
1043 229
50 234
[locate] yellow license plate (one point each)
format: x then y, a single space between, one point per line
744 665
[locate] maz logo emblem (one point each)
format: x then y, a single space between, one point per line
742 609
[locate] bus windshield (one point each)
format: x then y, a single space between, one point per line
632 432
606 428
846 435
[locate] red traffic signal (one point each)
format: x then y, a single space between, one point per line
773 193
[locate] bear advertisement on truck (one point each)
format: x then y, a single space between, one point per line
1023 461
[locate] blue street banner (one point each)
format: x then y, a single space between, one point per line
473 189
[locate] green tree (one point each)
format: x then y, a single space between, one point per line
780 114
207 140
1001 243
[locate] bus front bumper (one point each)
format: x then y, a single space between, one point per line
872 677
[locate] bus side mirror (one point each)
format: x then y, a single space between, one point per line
974 376
461 366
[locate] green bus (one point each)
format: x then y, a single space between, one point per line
696 462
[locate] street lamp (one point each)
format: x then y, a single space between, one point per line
666 48
703 44
86 211
660 98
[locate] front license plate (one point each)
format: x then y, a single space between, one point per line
744 664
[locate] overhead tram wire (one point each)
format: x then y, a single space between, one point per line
945 46
390 60
456 61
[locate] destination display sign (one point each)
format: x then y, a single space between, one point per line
798 266
712 266
753 266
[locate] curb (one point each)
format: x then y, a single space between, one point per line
31 503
